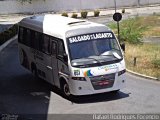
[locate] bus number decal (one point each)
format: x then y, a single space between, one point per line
76 72
90 37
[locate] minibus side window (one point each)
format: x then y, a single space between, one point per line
37 40
54 48
28 37
32 43
46 44
20 37
24 36
61 49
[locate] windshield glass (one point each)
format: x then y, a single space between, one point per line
95 45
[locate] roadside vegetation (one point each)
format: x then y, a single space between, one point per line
141 57
65 14
84 14
6 35
147 59
133 29
74 15
96 13
123 11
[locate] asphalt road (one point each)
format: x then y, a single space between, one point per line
21 93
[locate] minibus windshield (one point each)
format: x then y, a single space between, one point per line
100 46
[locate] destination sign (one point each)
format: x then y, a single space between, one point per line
93 36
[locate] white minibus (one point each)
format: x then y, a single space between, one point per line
77 56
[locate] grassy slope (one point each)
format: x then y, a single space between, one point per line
151 24
145 53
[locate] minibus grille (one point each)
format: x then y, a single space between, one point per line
103 81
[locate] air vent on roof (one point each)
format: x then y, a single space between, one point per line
71 23
33 17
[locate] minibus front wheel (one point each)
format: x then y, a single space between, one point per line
65 89
115 91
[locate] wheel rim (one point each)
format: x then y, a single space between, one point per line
66 90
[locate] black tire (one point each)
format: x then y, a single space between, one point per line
65 89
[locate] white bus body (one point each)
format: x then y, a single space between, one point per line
78 56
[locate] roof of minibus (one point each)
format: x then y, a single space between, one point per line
59 26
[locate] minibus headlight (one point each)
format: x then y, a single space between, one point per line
121 72
79 78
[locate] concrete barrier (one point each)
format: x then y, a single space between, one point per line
15 6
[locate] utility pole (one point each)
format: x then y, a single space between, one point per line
115 6
117 17
117 21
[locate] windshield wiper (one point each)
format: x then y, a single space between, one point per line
90 57
113 54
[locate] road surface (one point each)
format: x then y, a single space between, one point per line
21 93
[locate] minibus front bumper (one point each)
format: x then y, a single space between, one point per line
97 84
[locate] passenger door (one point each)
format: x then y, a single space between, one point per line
55 70
44 59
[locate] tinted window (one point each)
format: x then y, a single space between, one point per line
61 49
54 48
28 37
24 36
20 37
46 44
32 42
37 40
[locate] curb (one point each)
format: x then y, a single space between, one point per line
151 39
141 75
7 43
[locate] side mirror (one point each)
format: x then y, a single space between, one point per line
123 46
65 57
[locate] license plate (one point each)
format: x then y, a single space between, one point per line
103 83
